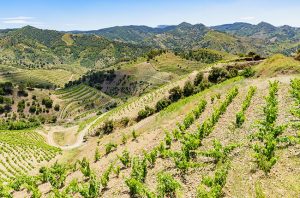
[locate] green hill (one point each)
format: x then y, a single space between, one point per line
30 47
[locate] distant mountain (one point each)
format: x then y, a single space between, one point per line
32 47
234 38
184 36
262 30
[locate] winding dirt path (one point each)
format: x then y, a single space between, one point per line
79 139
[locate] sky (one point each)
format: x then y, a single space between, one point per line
97 14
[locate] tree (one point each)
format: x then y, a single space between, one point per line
199 78
8 87
218 74
175 94
32 109
188 89
47 102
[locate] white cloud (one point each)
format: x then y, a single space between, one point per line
21 20
248 18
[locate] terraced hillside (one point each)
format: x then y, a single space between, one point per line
196 147
23 152
78 100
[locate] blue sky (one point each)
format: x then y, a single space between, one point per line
96 14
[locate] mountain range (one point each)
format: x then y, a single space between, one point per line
29 46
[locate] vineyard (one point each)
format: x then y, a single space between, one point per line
22 152
131 108
78 100
41 78
172 111
230 128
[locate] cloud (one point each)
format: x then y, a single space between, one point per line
248 18
21 20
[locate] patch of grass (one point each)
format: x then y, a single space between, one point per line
67 38
169 62
277 64
59 138
84 123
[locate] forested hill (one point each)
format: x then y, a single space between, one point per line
31 47
263 38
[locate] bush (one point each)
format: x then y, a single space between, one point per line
97 155
110 147
125 158
56 107
218 74
108 127
21 90
167 185
161 104
248 72
199 78
124 121
47 102
233 72
139 169
32 109
175 94
188 89
21 106
142 114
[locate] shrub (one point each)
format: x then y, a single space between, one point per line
108 127
152 156
218 74
109 147
138 188
134 135
175 94
248 72
117 171
144 113
97 155
124 138
212 186
124 121
199 78
139 169
56 107
85 167
105 177
188 89
47 102
161 104
168 139
240 119
167 185
125 158
21 106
